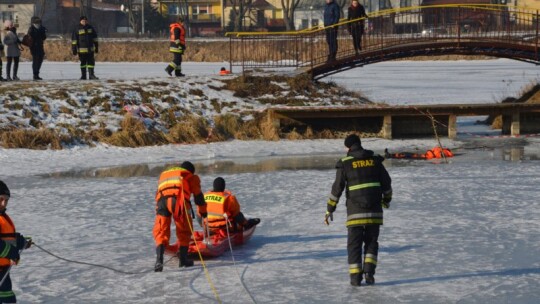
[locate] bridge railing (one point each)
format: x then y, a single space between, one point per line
430 26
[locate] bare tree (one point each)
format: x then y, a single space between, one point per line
289 7
239 9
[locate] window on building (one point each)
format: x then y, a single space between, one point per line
200 9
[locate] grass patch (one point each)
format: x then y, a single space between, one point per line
33 139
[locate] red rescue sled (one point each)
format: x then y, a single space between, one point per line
215 246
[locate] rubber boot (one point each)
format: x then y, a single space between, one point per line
183 256
83 74
356 279
160 250
178 73
370 279
1 78
169 69
92 76
8 75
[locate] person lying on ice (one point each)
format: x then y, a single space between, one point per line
220 202
436 152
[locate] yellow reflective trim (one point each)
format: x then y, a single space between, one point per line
5 252
347 158
365 222
370 260
354 270
362 186
7 294
332 203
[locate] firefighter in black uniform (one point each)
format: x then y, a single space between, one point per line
84 41
368 189
177 46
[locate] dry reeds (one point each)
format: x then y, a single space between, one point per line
33 139
133 134
190 129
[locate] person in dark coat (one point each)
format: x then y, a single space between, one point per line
368 189
331 15
356 29
84 41
38 33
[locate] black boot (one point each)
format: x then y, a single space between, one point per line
160 250
1 78
356 279
178 73
91 74
183 256
370 279
169 69
83 74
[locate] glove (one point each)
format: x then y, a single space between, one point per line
29 242
251 222
331 205
74 51
329 215
21 242
96 50
385 202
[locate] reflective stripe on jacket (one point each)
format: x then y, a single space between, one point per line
364 179
85 39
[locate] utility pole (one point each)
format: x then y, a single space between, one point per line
142 16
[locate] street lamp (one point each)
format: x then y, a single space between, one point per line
125 11
310 16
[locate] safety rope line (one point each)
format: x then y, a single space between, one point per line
234 262
206 272
437 135
92 264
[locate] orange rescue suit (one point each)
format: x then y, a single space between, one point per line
7 234
175 187
438 152
219 203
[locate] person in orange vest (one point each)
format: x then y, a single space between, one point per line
177 47
11 244
219 202
175 187
224 71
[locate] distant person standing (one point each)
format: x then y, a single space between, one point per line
356 29
331 16
38 33
177 47
13 49
84 41
1 55
368 189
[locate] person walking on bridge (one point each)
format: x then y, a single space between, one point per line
368 189
356 29
330 17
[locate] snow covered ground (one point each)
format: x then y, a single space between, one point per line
466 231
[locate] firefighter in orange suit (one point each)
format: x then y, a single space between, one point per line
175 187
220 202
177 47
11 244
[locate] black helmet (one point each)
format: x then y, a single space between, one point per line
188 166
4 190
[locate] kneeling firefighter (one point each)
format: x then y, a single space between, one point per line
175 187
